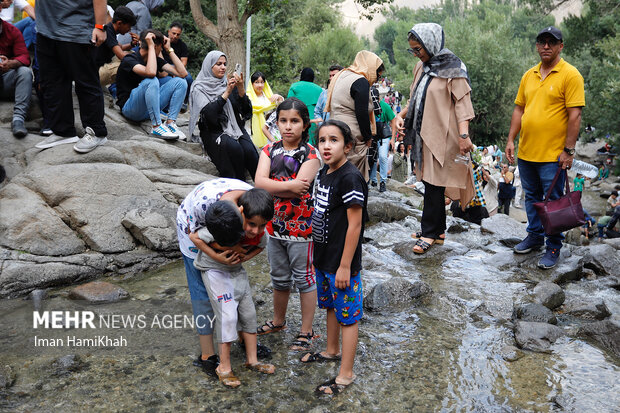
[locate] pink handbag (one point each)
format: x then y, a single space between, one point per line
560 214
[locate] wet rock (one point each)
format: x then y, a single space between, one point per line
395 292
535 336
20 276
154 229
503 226
511 353
568 268
606 333
7 377
614 242
549 294
534 312
450 248
385 210
67 364
603 259
510 242
98 292
588 309
458 226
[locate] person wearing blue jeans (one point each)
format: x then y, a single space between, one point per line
387 116
140 95
547 116
536 178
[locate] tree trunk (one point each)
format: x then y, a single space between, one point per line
228 34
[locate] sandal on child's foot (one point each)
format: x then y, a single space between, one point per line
264 368
422 246
303 341
318 356
228 379
331 387
438 241
270 327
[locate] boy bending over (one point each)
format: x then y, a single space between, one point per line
233 235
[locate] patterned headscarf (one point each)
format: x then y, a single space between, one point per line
443 64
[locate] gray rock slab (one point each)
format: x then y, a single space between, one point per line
395 292
21 277
503 226
534 312
174 193
98 292
93 199
28 224
154 229
549 294
384 210
535 336
64 154
149 154
177 176
587 309
605 333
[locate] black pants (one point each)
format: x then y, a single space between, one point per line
232 157
60 64
505 204
434 211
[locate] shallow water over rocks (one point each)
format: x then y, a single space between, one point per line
445 351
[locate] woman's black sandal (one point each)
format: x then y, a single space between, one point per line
438 241
423 245
303 341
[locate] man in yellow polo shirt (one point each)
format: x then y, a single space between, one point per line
547 115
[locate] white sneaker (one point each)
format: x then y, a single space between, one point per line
89 142
175 129
163 132
55 140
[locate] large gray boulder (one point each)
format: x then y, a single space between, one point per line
387 210
549 294
606 333
395 292
97 292
93 199
535 336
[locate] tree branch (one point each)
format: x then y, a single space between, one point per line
205 25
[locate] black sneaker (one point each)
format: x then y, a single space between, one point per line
373 183
209 365
382 187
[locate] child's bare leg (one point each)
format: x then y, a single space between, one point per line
308 306
333 333
224 366
280 304
349 347
206 345
250 347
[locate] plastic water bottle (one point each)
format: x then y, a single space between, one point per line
584 169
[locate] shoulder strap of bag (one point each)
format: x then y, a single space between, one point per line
555 180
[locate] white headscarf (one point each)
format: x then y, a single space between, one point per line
207 88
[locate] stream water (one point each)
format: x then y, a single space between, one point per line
448 352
